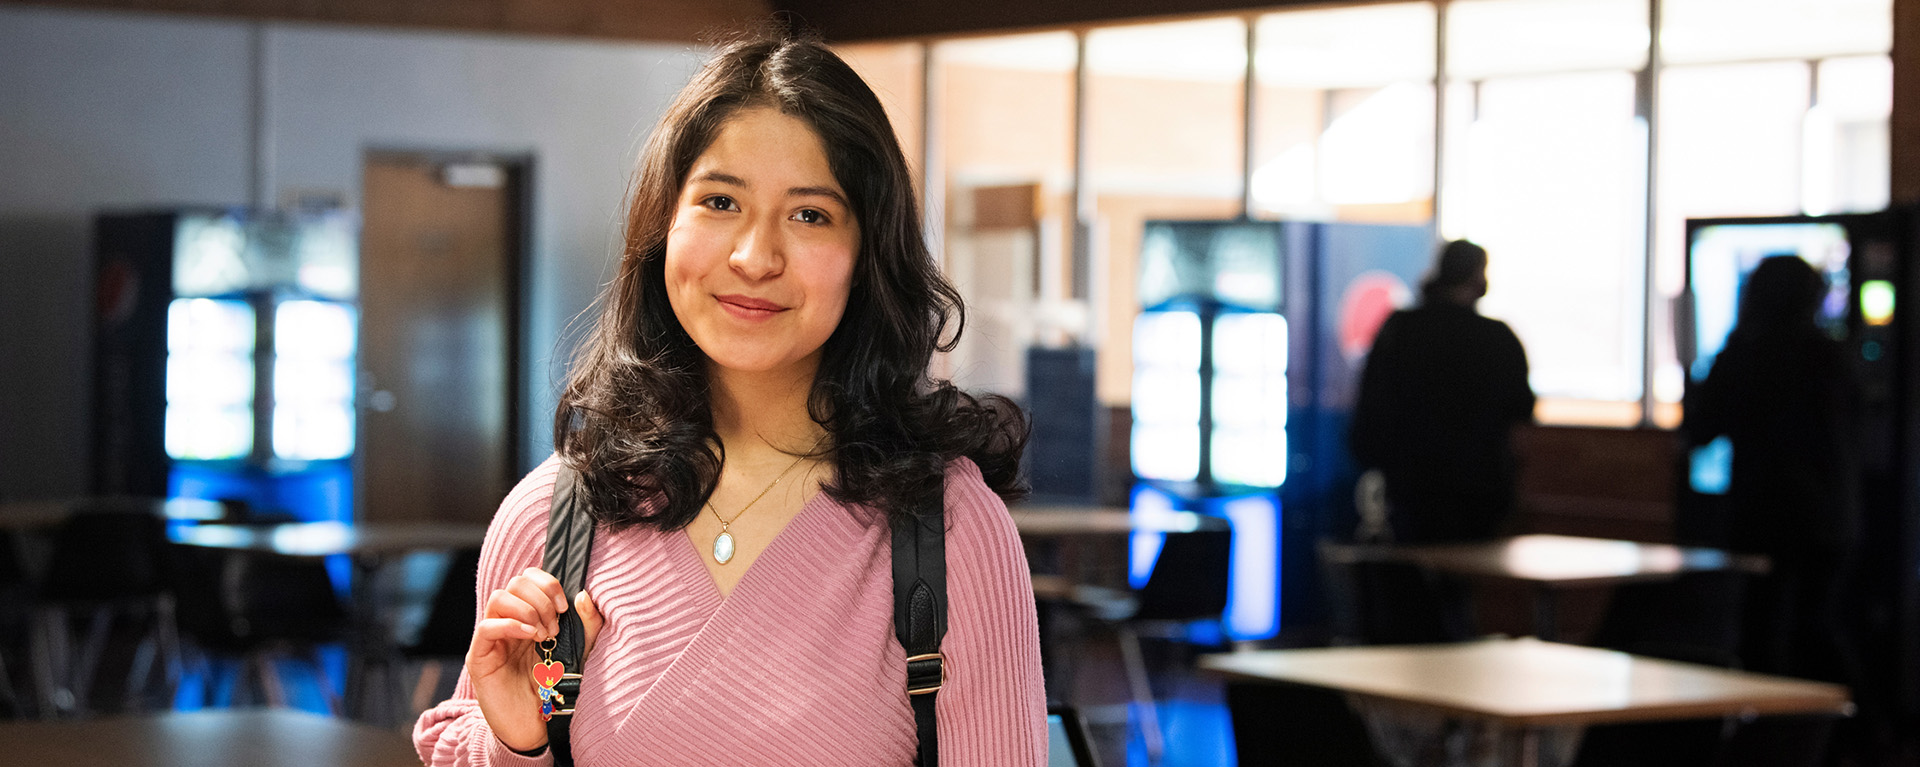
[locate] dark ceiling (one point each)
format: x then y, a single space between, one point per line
682 20
849 20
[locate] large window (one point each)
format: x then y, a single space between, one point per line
1343 114
1561 143
1547 171
1770 109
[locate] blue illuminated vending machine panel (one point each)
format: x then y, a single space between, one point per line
1209 434
244 387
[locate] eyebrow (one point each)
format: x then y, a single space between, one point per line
797 191
819 191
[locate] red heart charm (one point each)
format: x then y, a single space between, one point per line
548 673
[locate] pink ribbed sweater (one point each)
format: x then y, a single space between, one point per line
798 666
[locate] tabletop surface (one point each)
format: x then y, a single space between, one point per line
223 738
319 539
1534 683
1048 521
22 515
1562 559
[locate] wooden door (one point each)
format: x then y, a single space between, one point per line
439 261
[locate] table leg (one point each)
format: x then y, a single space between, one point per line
1545 621
1526 748
369 650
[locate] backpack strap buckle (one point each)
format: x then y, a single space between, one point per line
926 673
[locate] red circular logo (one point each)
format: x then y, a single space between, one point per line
1369 300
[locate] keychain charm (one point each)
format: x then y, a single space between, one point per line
546 674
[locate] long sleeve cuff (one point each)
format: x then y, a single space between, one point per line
500 755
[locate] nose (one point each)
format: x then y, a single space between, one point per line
759 253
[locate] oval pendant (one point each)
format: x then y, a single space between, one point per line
723 548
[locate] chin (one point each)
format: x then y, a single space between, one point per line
750 364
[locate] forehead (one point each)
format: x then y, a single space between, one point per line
763 142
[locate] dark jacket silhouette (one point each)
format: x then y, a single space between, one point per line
1440 396
1783 393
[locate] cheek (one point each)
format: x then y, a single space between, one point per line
835 283
682 268
690 249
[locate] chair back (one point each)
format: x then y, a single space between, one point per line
1284 725
236 601
1189 580
1688 743
1778 741
289 599
449 628
1375 599
1694 618
106 555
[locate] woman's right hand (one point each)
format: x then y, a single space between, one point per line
505 648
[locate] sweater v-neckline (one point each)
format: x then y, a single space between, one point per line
693 556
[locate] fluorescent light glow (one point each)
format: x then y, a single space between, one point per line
1167 340
1143 548
1876 302
1253 588
1168 453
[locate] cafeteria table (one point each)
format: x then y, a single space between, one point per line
1524 685
1069 521
1551 563
46 513
213 738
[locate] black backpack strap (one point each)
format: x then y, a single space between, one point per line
569 544
920 616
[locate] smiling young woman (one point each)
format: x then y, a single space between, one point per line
750 416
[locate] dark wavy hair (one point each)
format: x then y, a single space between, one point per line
635 419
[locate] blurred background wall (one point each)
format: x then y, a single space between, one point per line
119 111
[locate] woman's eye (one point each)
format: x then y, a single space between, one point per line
811 216
722 202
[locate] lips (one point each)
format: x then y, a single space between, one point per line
748 307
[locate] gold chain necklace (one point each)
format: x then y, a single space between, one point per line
723 543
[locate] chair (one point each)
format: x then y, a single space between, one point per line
1651 744
448 631
1373 599
15 594
107 562
246 612
1188 583
1067 742
1285 725
1778 741
1694 618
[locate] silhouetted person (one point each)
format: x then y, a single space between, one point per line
1443 390
1781 390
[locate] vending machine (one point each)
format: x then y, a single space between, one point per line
1244 351
224 354
1866 261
